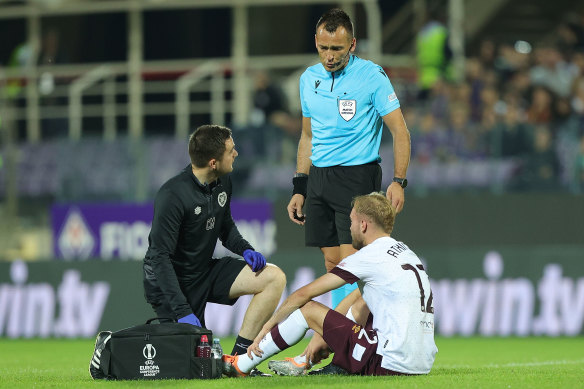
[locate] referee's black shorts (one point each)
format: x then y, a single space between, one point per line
328 201
210 285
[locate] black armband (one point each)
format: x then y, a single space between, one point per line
300 182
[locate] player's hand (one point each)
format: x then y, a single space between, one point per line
190 319
254 259
295 209
255 346
317 350
395 194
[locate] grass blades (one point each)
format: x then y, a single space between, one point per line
461 362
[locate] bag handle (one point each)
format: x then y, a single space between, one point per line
149 321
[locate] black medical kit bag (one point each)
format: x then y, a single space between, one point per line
153 351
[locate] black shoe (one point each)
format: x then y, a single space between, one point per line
329 369
257 373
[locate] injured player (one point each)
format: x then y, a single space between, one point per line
389 331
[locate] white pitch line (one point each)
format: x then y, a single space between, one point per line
517 364
542 363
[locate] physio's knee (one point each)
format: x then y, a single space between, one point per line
275 277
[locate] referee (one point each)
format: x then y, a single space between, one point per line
345 101
191 211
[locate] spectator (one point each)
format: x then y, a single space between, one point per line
487 51
462 142
426 137
461 93
577 101
489 97
552 71
578 61
579 168
562 112
519 85
542 167
509 137
433 54
270 109
268 99
474 71
489 138
570 35
505 64
541 109
566 39
440 100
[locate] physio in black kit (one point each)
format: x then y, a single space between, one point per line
191 211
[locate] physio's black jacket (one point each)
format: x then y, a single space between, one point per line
188 219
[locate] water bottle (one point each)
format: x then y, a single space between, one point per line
217 350
204 349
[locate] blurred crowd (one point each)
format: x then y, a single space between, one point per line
512 102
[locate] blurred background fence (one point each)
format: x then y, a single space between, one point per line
97 99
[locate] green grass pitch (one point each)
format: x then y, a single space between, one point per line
460 363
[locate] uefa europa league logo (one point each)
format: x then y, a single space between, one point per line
149 351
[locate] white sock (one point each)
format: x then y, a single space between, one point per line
349 315
291 330
267 345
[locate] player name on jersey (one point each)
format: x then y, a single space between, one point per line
397 249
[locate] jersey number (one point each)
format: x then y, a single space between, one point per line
428 306
363 333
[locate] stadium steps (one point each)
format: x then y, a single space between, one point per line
404 20
528 20
503 21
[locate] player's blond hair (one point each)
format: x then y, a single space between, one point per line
377 208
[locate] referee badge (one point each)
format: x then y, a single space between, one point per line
222 199
347 109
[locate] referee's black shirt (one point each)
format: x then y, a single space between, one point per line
189 217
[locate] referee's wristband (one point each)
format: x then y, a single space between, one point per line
300 182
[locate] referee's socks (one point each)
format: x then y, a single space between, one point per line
339 294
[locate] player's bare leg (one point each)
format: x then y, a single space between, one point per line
266 286
314 314
332 257
360 311
346 250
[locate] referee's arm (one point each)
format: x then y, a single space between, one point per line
401 155
296 203
304 147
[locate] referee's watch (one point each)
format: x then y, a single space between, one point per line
403 182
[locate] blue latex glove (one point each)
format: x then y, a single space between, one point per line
190 319
254 259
